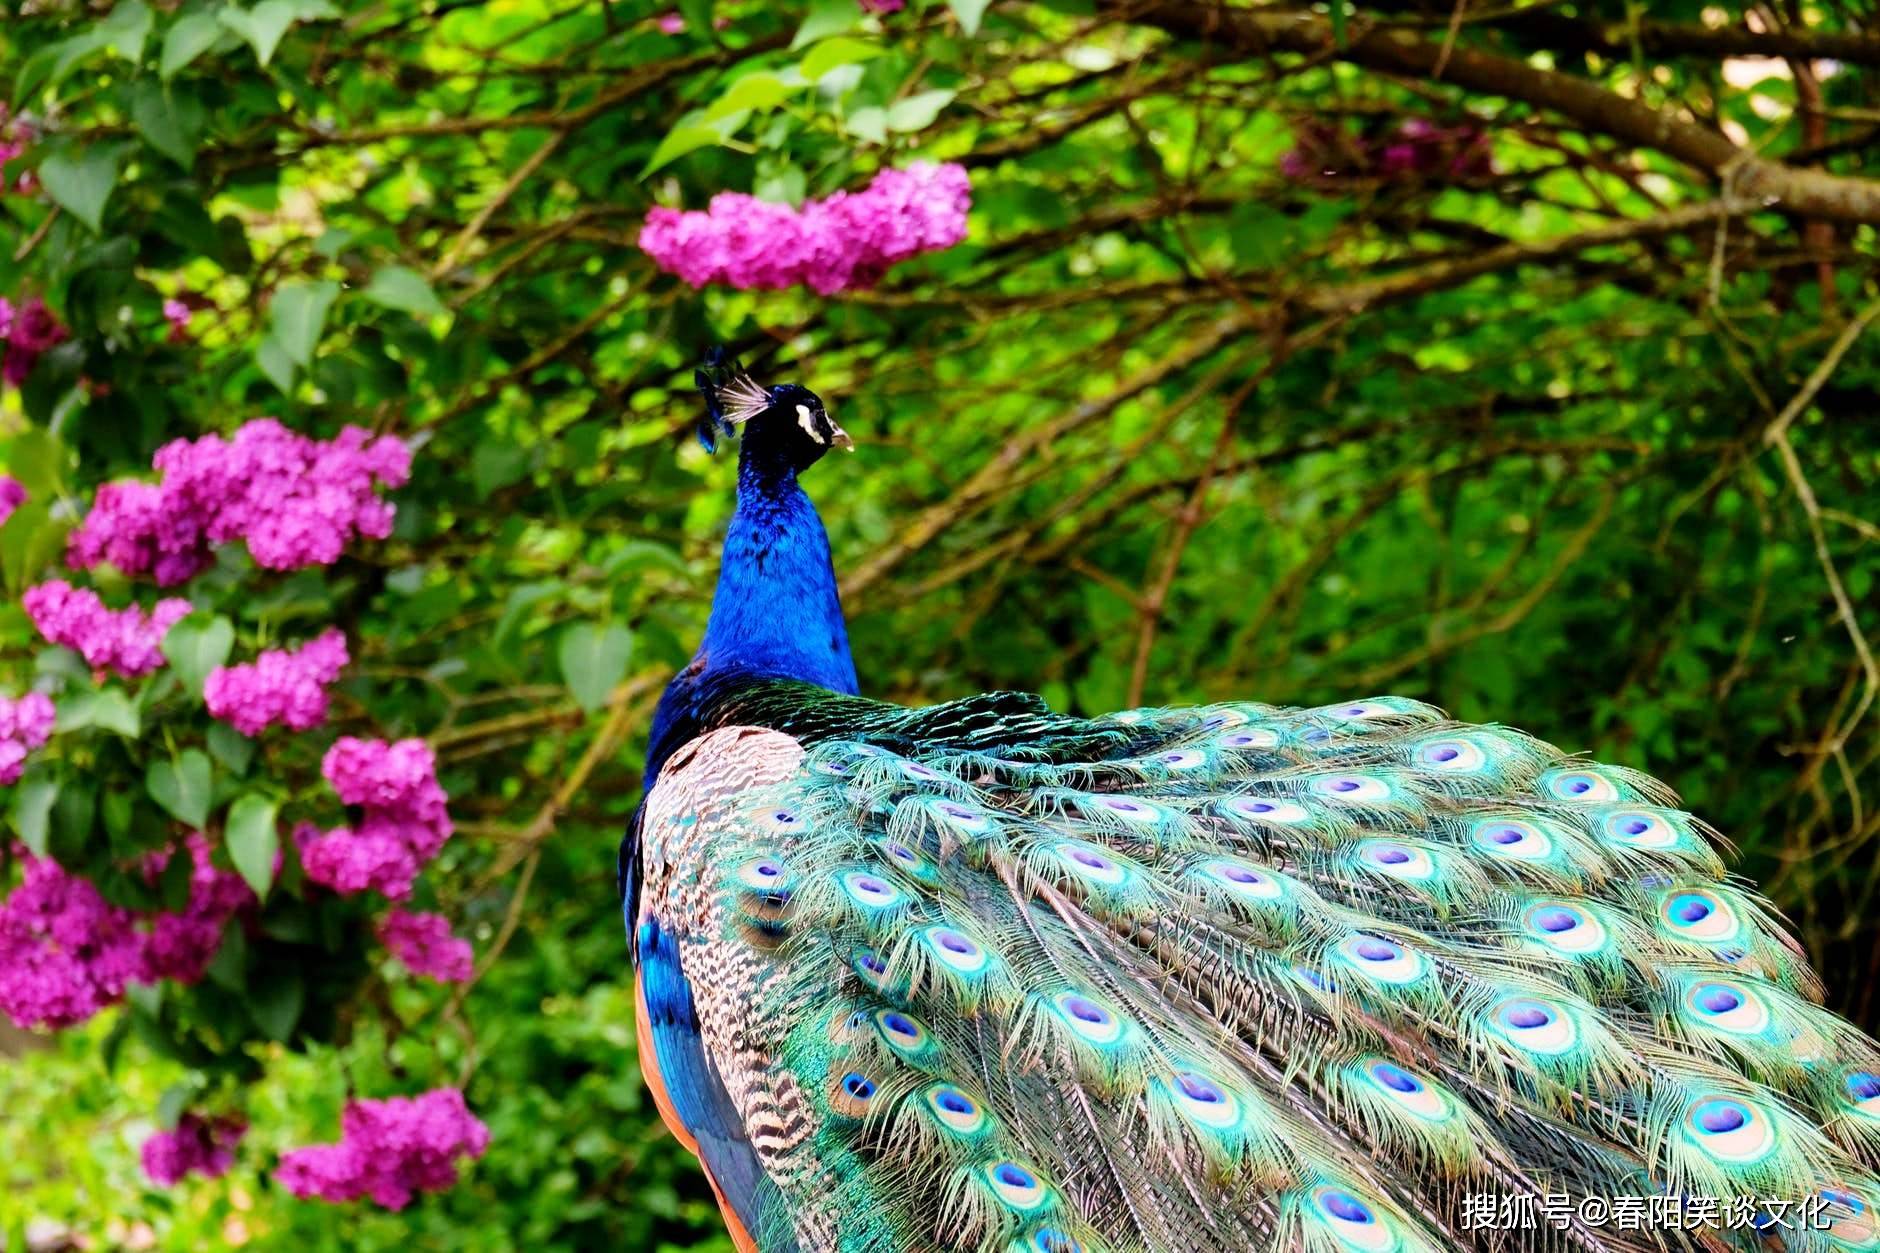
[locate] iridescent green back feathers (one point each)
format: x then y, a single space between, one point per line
1240 977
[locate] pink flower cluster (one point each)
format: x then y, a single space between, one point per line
288 687
181 946
203 1146
404 826
294 501
177 314
29 329
424 944
846 241
883 6
1418 149
12 496
66 952
25 724
389 1150
122 640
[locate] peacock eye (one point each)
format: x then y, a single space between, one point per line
807 420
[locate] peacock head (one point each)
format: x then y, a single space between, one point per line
785 424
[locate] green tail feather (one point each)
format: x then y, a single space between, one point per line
1243 977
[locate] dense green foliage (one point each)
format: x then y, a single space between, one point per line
1582 442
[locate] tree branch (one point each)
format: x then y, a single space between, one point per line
1672 39
1810 193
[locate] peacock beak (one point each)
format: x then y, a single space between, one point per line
840 438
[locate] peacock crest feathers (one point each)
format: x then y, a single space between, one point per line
1240 977
731 395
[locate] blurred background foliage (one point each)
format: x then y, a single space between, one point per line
1565 422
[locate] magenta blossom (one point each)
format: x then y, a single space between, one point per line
29 329
25 725
846 241
288 687
199 1146
389 1150
65 953
121 640
180 946
424 944
294 501
177 314
883 6
12 496
404 826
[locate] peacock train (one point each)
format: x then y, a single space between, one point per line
982 976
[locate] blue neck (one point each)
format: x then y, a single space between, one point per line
776 614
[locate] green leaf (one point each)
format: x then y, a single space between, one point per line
253 838
172 123
697 15
826 18
262 26
38 458
110 709
191 36
229 968
638 553
115 712
276 1004
833 53
197 645
1260 236
593 661
145 998
120 811
182 787
969 12
406 290
869 124
173 1102
496 464
30 541
173 883
333 241
230 747
47 68
785 185
917 112
108 1052
127 29
753 91
81 183
74 814
31 811
679 141
274 362
299 313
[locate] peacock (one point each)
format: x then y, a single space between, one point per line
984 976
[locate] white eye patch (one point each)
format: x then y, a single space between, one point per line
804 420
